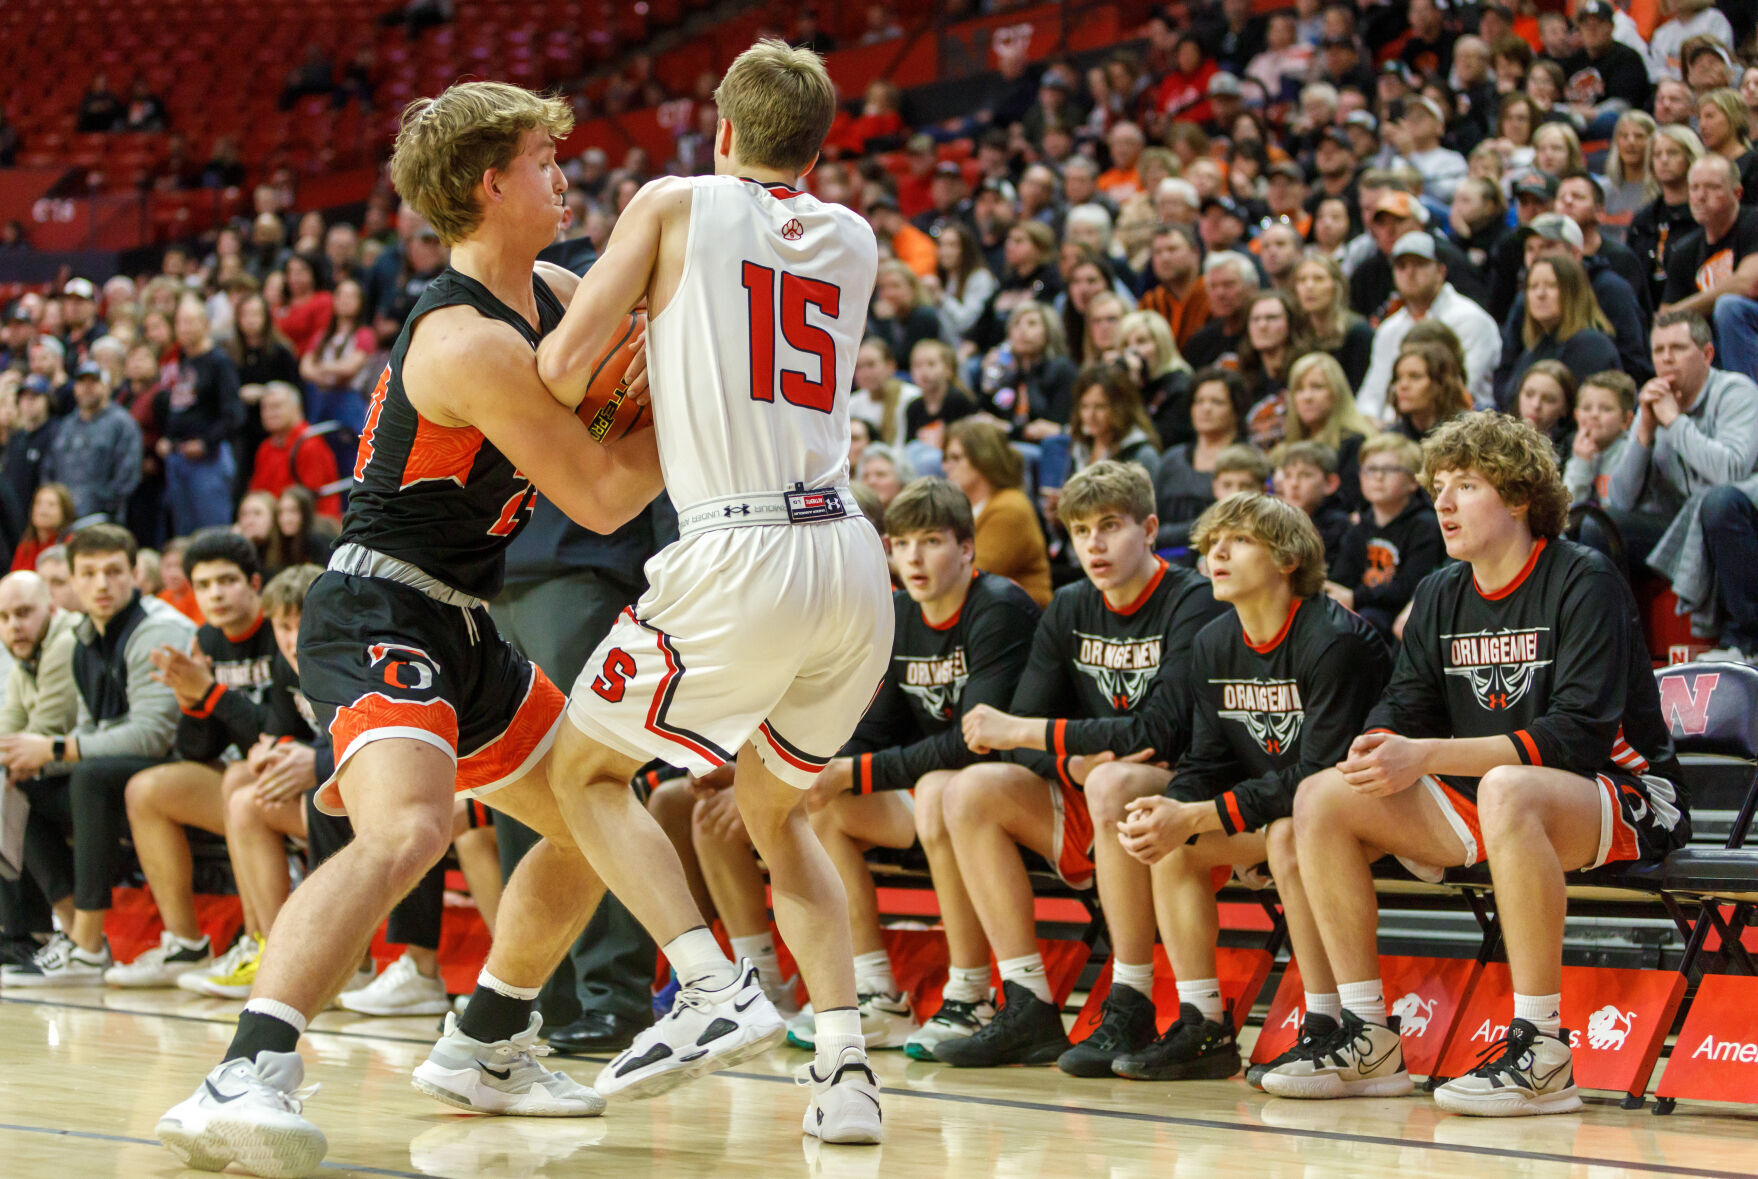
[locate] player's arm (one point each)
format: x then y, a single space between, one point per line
561 281
610 289
481 373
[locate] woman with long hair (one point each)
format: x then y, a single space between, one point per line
1183 485
1276 336
944 399
1027 382
1323 295
1660 223
306 316
1164 375
50 516
981 462
256 521
297 537
1563 322
1722 125
1428 389
901 313
1545 400
157 331
1109 422
1089 275
259 349
1029 251
1517 118
1629 182
965 282
1331 228
334 370
881 396
1321 408
1557 149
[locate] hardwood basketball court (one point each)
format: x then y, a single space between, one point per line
88 1072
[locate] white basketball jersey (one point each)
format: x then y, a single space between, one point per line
752 361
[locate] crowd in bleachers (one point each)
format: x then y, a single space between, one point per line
1244 253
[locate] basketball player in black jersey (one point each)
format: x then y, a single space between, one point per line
1522 724
398 656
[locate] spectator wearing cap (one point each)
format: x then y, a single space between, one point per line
96 451
1177 292
1222 223
994 210
1363 130
1706 63
1534 195
1689 18
21 464
1285 195
1055 106
950 203
79 307
1554 234
1619 76
1559 320
1231 279
1418 138
1696 428
16 334
1723 127
1397 214
908 244
1477 221
1334 164
1714 264
1420 277
1226 101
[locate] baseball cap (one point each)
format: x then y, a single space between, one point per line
1337 136
1401 204
1225 84
1399 70
1554 227
997 186
1286 168
35 383
948 169
1362 119
1540 186
1594 9
1416 244
1054 81
80 288
88 369
1425 103
19 314
1225 203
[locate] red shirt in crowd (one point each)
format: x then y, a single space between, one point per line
306 322
24 557
297 458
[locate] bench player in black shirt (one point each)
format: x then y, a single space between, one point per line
221 686
1105 647
1522 724
400 660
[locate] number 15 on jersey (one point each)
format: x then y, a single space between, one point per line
783 297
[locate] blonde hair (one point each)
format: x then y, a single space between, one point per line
1345 415
1408 454
286 590
1733 109
1167 358
1243 456
1570 140
1614 163
1519 462
1107 486
1579 307
780 102
447 143
1684 139
918 293
1287 531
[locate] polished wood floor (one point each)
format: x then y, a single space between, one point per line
85 1073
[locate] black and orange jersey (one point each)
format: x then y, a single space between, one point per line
1554 661
441 498
233 712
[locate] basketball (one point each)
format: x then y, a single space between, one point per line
607 409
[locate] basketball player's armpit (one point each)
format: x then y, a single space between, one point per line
1589 681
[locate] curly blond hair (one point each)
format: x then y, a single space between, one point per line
1519 462
447 143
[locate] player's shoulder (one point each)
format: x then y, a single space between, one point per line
1218 635
997 597
1326 624
212 640
1578 569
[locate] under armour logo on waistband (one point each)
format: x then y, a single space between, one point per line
739 509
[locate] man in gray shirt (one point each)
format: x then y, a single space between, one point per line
96 451
1696 428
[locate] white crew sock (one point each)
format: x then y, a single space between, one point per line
1136 978
1028 972
873 974
698 961
1205 995
1544 1012
1330 1005
760 949
967 984
832 1032
1366 999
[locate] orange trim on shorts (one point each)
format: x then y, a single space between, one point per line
1466 809
1624 844
1075 863
375 710
503 756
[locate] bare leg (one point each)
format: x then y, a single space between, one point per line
811 908
254 840
1184 901
1126 890
623 843
729 866
966 944
480 862
847 828
672 804
161 802
398 792
1303 930
1537 824
993 809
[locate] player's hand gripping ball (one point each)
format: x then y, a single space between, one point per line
609 409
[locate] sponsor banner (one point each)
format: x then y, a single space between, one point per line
1242 974
1426 994
1715 1057
1617 1021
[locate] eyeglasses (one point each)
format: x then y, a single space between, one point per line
1384 472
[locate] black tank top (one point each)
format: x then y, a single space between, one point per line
441 497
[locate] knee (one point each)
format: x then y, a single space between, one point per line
241 810
966 802
1318 798
1283 857
141 795
1723 507
1107 791
931 816
1504 802
405 852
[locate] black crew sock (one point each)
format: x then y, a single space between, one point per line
492 1016
261 1033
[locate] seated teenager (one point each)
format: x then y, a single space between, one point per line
962 639
1306 476
221 688
1397 542
1522 725
1276 689
1097 653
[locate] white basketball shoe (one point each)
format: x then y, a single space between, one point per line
248 1112
503 1077
845 1103
704 1031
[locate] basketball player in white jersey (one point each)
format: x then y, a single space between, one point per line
767 627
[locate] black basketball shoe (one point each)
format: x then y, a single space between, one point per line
1026 1030
1193 1049
1315 1032
1126 1025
